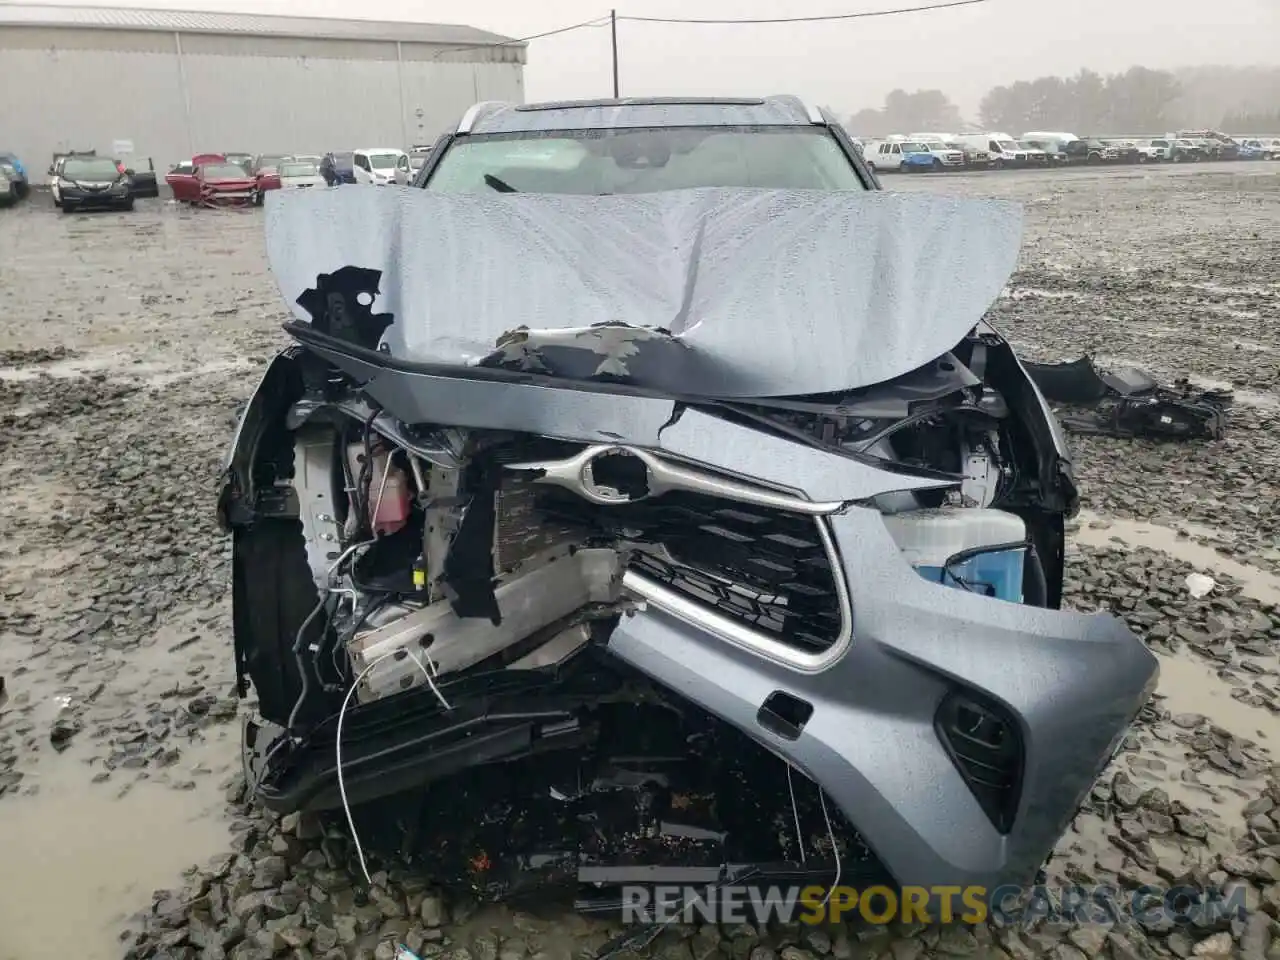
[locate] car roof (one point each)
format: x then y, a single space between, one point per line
378 150
498 117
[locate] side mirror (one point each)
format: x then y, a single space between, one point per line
51 170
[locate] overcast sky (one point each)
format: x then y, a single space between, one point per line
846 65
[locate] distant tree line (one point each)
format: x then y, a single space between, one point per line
1139 100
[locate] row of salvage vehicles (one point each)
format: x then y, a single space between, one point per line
218 179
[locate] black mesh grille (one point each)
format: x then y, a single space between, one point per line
985 747
766 568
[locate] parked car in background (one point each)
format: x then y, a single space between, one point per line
338 168
943 156
1215 145
418 157
1259 148
55 171
380 165
1052 149
23 183
1154 151
1090 150
972 157
218 183
267 161
1126 151
1036 156
9 180
1005 152
1184 150
918 158
891 155
1251 150
88 182
297 174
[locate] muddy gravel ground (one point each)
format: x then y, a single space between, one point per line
126 345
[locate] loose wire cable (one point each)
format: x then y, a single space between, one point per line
814 19
337 747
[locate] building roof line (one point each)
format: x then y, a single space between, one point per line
246 24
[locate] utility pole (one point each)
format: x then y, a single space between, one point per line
613 30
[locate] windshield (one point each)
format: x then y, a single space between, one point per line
1006 145
307 169
383 161
910 147
935 146
1027 145
646 160
8 170
223 171
96 168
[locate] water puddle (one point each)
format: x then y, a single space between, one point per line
80 858
1257 584
1191 686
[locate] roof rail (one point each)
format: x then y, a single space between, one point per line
473 114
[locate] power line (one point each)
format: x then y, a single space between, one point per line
597 22
816 19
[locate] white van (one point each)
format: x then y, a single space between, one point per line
379 165
1003 149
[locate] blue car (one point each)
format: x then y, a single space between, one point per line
916 158
22 183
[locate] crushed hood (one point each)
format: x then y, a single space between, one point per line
711 292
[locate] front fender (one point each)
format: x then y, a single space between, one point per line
278 388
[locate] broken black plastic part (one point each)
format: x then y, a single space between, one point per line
341 306
468 575
784 715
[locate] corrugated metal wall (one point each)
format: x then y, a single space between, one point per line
83 88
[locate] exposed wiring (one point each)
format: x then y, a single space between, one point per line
596 22
814 19
835 851
303 672
430 675
795 815
337 747
382 488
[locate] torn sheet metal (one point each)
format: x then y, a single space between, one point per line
715 292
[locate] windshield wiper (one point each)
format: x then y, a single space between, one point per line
500 185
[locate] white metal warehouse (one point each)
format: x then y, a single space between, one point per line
166 84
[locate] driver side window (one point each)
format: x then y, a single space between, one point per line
362 162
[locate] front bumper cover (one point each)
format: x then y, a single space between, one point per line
869 731
1069 685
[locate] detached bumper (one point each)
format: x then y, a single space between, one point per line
876 727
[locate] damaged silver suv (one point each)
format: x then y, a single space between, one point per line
646 495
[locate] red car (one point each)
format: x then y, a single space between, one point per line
209 180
